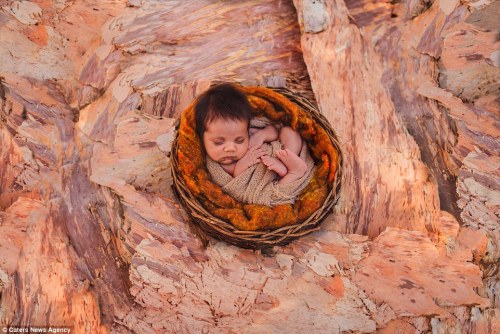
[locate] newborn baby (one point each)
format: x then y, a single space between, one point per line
222 121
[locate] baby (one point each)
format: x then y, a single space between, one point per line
223 116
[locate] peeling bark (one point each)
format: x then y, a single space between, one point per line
92 237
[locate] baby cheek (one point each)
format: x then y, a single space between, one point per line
212 151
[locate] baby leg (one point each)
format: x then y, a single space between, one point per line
290 139
292 144
294 164
274 164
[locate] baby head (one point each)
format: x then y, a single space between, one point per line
222 117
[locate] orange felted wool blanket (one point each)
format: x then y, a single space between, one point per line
248 217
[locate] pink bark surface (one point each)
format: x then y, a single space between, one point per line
92 236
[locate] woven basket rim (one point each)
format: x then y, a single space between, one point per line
219 229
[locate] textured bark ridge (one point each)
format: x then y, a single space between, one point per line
92 237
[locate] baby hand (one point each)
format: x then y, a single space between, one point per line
253 155
249 159
256 140
265 135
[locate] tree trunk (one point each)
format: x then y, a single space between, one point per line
93 238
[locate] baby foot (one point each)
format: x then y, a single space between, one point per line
294 164
274 165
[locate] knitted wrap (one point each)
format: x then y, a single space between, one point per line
259 185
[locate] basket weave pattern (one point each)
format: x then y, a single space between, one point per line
253 226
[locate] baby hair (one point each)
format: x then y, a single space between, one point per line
222 101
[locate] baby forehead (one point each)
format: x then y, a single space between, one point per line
227 127
228 123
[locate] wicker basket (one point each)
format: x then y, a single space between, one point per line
224 231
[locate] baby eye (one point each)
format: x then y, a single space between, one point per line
240 140
218 143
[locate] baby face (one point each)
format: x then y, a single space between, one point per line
226 141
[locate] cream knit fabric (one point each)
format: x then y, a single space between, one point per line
257 184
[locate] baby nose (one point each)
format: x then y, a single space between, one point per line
230 147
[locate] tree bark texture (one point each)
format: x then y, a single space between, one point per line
92 236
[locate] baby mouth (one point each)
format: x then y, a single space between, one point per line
228 159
